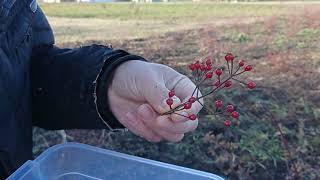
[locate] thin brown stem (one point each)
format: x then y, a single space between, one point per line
231 67
194 90
239 81
215 89
197 92
200 103
180 114
236 70
286 146
239 73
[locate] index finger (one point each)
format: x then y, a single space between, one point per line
183 90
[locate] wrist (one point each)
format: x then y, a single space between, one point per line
102 83
108 89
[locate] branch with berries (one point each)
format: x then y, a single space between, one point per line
213 79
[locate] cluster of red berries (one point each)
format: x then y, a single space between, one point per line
186 105
229 109
204 71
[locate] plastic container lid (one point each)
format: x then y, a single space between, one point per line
74 161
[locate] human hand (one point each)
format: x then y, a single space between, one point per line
137 98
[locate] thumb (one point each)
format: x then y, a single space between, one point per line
157 96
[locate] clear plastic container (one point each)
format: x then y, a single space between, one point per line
74 161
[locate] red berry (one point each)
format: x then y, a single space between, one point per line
192 100
218 72
187 105
228 83
251 85
197 65
230 108
218 103
248 68
229 57
209 75
208 62
192 117
235 114
203 67
192 67
227 123
209 67
171 93
217 83
169 101
241 63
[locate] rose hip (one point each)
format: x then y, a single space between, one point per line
228 84
241 63
187 105
192 100
202 67
209 75
192 117
227 123
209 67
197 65
171 93
235 114
218 103
229 57
192 67
217 83
169 101
248 68
218 72
230 108
251 85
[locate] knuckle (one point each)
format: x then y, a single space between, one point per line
158 124
182 81
162 123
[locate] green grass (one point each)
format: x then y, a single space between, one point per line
80 22
309 33
127 11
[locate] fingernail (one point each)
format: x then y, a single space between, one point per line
131 119
145 111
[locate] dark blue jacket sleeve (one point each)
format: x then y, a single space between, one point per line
69 86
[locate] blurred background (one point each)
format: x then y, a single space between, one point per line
280 38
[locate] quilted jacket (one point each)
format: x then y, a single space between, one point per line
47 86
